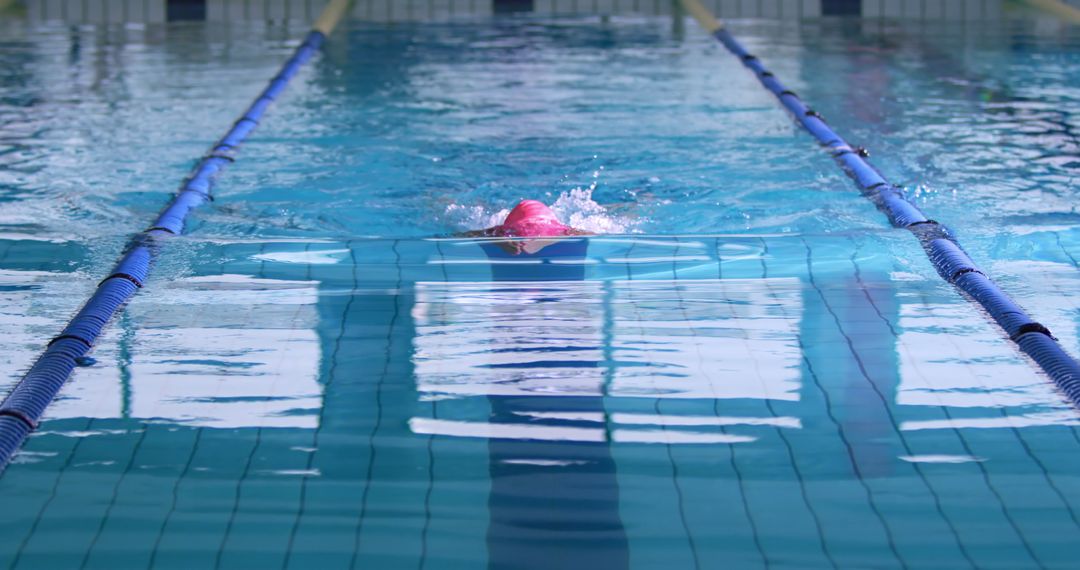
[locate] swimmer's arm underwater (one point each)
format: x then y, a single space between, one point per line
476 233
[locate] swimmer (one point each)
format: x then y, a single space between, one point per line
529 219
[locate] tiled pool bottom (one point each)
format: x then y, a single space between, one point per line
721 401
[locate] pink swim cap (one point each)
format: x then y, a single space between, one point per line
531 218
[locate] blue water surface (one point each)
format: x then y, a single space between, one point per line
746 367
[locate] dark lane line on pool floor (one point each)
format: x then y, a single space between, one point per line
553 492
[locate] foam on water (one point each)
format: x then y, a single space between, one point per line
575 208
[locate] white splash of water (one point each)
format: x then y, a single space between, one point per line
575 208
474 217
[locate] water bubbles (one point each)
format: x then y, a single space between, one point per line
577 209
474 217
924 192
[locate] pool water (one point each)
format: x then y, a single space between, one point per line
745 368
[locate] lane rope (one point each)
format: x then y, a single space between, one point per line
944 251
23 407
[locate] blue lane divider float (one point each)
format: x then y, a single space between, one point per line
25 404
950 260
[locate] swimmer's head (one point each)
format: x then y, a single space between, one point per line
531 218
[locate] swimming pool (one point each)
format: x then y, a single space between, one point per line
754 371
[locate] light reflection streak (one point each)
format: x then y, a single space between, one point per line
1062 418
247 357
489 430
979 370
546 343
